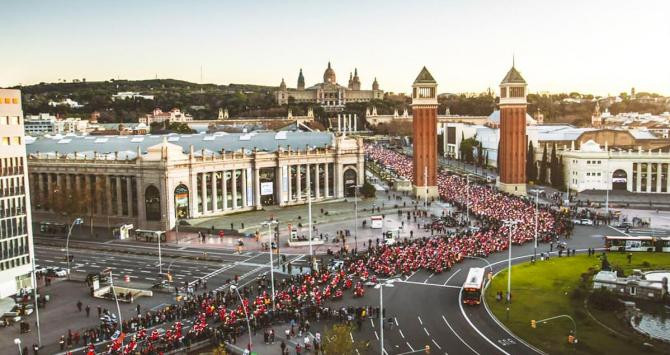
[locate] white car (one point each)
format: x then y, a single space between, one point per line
56 271
40 269
586 222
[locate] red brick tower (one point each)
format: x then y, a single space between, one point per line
512 169
424 111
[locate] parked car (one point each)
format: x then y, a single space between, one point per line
577 221
40 269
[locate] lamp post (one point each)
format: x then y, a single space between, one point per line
510 224
37 311
380 286
245 312
75 222
118 309
17 341
272 265
537 196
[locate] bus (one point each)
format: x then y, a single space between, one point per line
664 244
474 283
53 228
626 243
376 222
150 236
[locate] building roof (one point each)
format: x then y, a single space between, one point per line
425 77
213 143
513 77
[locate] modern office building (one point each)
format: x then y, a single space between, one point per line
152 181
16 245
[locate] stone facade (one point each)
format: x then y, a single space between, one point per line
154 188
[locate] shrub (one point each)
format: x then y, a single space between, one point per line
646 264
604 300
577 294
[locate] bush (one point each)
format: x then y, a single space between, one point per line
646 264
368 190
604 300
577 294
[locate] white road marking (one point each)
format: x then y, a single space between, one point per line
427 284
410 347
460 304
452 275
401 334
396 321
372 322
377 336
145 271
408 277
458 336
429 276
436 344
420 321
426 330
350 335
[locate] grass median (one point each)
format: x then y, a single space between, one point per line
546 289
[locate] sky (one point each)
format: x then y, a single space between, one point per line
589 46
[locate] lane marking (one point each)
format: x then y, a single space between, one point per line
458 336
426 330
372 322
429 276
377 336
396 321
428 284
420 321
401 334
452 275
436 344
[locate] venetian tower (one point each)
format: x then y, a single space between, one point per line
424 122
512 169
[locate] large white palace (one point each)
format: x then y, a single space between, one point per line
329 94
153 181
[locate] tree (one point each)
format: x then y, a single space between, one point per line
531 168
368 190
480 154
554 167
543 166
559 175
337 341
486 160
467 149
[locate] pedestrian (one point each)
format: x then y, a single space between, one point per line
99 311
630 257
88 310
36 349
282 346
138 309
79 304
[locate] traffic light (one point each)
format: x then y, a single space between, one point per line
427 348
533 323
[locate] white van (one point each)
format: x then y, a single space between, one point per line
376 222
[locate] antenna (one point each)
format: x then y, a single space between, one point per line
512 59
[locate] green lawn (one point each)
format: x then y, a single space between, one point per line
543 290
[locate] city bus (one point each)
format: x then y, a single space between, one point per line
474 283
664 244
376 222
626 243
150 236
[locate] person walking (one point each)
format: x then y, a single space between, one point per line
88 310
79 304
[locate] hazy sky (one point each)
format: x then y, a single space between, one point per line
588 46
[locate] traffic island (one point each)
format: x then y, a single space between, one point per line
551 298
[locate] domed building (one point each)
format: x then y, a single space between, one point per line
329 94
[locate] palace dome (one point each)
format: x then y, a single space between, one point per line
329 75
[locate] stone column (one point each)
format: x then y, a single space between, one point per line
360 174
298 182
215 193
290 184
667 177
129 195
257 188
244 187
279 183
203 192
108 194
50 191
318 181
326 179
224 188
119 197
308 181
234 177
339 181
192 194
649 177
639 177
659 166
40 189
68 184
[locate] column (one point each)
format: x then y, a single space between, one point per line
68 184
326 179
215 191
667 177
639 177
290 184
279 183
244 187
224 188
50 189
318 181
308 180
339 181
257 188
192 194
108 194
649 177
40 189
659 166
33 190
298 182
129 195
203 192
119 197
339 123
234 177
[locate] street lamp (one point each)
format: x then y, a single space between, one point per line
380 286
118 309
17 341
272 265
537 194
509 224
77 221
37 311
234 288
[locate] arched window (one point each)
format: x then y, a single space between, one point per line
152 203
181 201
